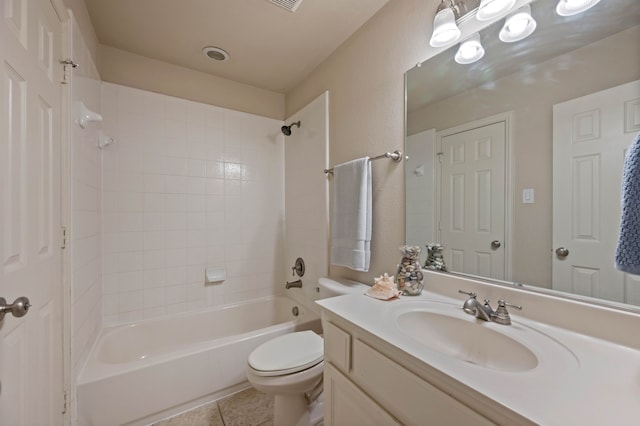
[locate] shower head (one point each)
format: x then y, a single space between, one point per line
287 129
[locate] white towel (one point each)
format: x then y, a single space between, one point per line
351 224
628 250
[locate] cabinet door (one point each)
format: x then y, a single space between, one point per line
412 400
346 404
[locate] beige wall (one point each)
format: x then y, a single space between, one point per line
557 80
118 66
365 79
86 27
129 69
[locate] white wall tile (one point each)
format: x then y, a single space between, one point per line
130 261
129 281
154 297
176 200
177 276
86 245
155 259
155 278
155 240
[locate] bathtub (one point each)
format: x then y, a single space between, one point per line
142 372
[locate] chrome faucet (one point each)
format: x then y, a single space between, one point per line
484 311
294 284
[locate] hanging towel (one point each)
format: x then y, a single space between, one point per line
628 251
351 224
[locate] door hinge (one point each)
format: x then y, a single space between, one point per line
64 403
66 63
65 235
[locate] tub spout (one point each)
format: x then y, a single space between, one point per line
295 284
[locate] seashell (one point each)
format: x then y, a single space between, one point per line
384 288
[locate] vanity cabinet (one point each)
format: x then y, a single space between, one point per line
365 387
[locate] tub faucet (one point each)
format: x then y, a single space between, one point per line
295 284
485 312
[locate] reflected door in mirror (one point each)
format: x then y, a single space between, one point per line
590 137
472 194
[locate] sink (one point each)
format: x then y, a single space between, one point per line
467 339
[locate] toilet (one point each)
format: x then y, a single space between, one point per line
290 366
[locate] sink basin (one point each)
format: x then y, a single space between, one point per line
467 339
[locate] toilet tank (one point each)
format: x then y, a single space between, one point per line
331 287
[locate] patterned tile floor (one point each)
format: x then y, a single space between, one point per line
246 408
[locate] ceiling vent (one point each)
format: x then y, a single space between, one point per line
290 5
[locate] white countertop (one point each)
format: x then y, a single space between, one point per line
579 380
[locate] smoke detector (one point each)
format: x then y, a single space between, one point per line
215 53
290 5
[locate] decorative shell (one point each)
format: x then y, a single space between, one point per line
384 288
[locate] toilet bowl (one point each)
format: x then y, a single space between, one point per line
290 367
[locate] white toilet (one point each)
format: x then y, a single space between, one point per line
290 366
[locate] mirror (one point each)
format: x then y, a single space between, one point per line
518 107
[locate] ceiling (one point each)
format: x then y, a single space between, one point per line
270 47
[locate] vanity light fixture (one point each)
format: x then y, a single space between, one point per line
470 50
573 7
445 29
518 25
490 9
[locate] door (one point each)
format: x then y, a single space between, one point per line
31 365
590 137
472 200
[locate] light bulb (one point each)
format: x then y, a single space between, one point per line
445 29
470 50
518 25
490 9
574 4
573 7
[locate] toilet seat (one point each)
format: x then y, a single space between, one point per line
287 354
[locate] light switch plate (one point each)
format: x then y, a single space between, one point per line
527 196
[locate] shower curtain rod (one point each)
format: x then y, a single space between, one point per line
395 156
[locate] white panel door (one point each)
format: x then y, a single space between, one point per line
31 378
472 200
590 137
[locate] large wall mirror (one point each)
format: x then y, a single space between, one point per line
515 161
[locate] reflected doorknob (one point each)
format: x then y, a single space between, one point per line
562 252
495 244
18 308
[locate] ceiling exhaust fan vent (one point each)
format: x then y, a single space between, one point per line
290 5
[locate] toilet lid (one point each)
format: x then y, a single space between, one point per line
287 354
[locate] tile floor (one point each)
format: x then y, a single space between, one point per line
246 408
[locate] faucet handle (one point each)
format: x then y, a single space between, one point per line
501 315
503 304
468 293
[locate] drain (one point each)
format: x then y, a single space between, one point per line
295 311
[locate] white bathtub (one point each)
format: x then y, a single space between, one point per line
139 373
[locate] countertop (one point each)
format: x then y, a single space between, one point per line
579 379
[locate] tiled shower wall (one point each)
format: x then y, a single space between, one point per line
85 245
187 186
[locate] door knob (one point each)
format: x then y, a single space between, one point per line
562 252
18 308
495 244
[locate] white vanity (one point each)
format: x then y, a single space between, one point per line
422 360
